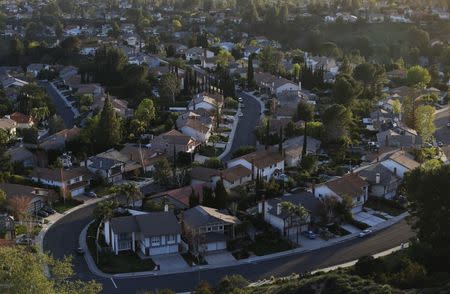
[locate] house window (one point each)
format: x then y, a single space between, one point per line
220 228
209 229
156 241
171 239
358 199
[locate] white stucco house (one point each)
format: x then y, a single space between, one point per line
73 181
350 185
400 163
152 233
265 162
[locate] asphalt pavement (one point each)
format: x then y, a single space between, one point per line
245 132
442 133
62 238
61 108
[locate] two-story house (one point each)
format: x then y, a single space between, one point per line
35 197
207 101
73 181
111 170
171 140
400 163
383 182
152 233
208 229
350 185
263 162
197 53
286 222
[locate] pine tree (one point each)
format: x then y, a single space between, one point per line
208 199
250 73
194 200
108 131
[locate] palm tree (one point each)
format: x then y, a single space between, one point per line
40 113
103 211
297 215
131 192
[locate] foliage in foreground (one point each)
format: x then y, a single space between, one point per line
22 271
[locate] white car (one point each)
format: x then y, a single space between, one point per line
365 233
240 100
240 114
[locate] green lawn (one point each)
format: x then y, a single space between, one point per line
125 262
384 205
267 244
62 206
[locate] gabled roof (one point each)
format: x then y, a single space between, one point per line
370 172
261 158
202 215
173 137
401 158
349 185
305 199
55 174
149 224
181 195
235 173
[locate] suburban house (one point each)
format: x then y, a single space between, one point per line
144 157
276 85
21 155
35 68
173 139
208 229
23 121
73 181
179 198
35 197
293 149
152 233
282 220
231 177
197 53
58 140
207 101
195 126
382 181
399 137
266 163
400 163
110 169
8 227
8 125
350 185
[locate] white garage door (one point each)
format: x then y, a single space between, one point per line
216 246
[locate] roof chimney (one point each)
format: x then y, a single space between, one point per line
377 178
101 163
166 208
395 171
278 208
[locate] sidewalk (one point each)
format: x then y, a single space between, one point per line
231 137
255 259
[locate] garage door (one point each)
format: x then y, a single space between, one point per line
216 246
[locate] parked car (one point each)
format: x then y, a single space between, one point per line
440 144
91 194
42 213
240 100
448 125
365 233
309 235
23 240
48 209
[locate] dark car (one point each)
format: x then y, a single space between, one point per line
48 209
42 213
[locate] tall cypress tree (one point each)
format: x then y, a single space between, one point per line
250 72
109 129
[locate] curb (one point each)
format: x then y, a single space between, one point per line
93 267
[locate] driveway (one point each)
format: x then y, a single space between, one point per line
61 108
220 257
368 219
245 134
170 261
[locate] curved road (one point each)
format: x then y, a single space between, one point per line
62 238
245 134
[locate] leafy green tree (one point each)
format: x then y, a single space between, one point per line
40 113
213 162
231 283
194 199
162 174
427 192
418 76
296 71
16 50
108 65
109 129
346 90
223 58
146 111
424 123
337 120
418 38
208 197
243 150
130 191
203 288
170 87
22 273
70 45
409 112
270 59
176 25
2 199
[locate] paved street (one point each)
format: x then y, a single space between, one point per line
62 238
61 108
442 131
245 134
